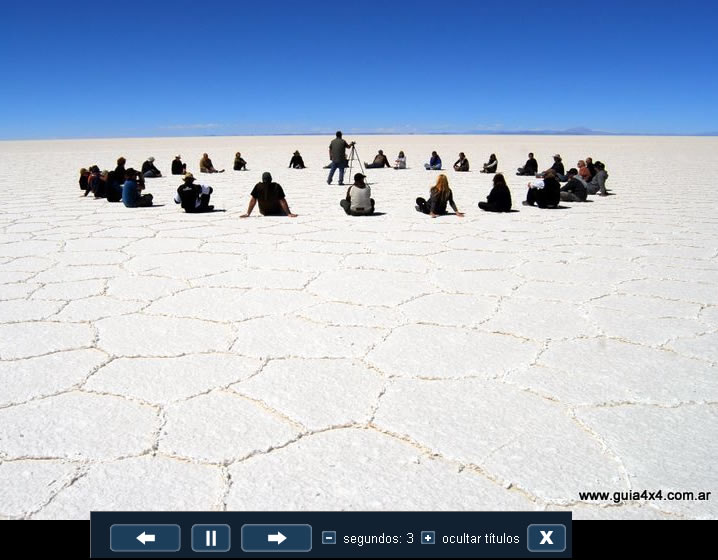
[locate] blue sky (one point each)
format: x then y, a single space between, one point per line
174 68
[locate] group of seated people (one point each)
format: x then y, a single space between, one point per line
127 185
462 164
587 178
121 184
380 161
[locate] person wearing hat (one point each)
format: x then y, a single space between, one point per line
239 163
491 166
205 165
575 189
270 197
149 170
131 190
193 197
358 201
178 168
380 161
557 169
296 162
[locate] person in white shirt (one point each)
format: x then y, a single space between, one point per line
400 162
358 201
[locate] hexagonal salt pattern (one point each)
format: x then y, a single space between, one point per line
495 361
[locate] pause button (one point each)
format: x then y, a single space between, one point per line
211 538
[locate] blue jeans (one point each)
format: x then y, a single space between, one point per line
333 168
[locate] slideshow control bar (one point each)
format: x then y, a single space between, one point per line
331 534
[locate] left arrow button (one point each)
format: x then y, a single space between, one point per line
147 538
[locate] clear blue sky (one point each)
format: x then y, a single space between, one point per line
165 68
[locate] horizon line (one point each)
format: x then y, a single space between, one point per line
370 133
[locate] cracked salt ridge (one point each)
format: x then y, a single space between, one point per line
669 263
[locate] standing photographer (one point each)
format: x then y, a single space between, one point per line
338 155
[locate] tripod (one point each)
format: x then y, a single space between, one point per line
353 155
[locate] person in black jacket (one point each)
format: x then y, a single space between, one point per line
119 175
440 196
296 162
546 193
194 198
116 178
270 197
591 168
97 182
461 164
530 167
149 170
84 180
380 161
239 163
178 168
499 199
575 190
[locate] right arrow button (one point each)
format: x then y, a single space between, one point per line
271 538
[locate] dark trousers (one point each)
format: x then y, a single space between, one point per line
332 168
344 203
423 206
538 197
144 200
489 207
203 205
570 197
